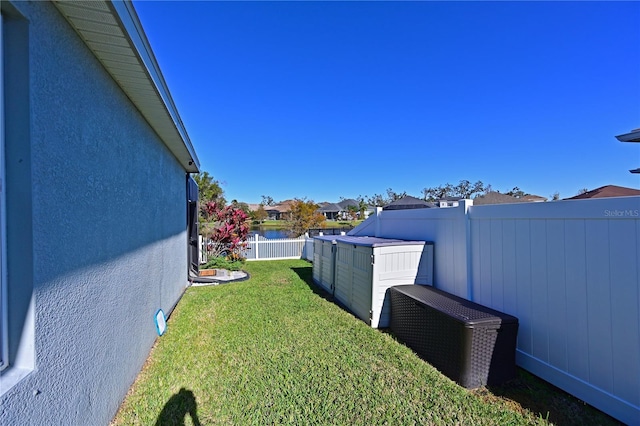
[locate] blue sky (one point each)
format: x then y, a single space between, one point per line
339 99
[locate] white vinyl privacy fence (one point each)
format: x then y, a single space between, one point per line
569 270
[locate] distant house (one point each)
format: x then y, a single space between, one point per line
533 198
93 208
347 207
448 202
607 191
341 210
272 212
408 202
331 211
493 197
349 202
280 211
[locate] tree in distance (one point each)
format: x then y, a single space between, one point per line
267 201
260 214
304 215
242 206
516 192
209 189
464 189
379 200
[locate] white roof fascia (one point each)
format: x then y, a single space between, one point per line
633 136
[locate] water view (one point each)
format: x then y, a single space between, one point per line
270 233
274 233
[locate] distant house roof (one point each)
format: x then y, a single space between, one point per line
113 32
278 208
281 207
344 204
330 208
493 197
408 202
607 191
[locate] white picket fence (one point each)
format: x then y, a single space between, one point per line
261 248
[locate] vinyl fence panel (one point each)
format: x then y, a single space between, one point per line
575 283
569 270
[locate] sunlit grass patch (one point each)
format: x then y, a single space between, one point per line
273 350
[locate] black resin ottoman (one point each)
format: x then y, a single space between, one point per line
471 344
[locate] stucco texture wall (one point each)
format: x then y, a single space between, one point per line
109 233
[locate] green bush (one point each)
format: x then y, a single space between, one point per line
222 262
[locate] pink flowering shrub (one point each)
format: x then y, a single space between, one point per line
227 230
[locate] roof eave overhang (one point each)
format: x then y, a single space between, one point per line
633 136
113 32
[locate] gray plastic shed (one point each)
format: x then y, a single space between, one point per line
365 267
324 255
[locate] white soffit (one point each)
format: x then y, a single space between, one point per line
112 30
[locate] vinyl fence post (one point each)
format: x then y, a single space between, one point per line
378 214
464 206
256 239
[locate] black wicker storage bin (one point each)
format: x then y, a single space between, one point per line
471 344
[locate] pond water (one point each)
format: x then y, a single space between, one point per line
275 233
269 233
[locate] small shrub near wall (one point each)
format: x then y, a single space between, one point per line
226 231
222 262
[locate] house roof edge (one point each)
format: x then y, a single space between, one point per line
159 109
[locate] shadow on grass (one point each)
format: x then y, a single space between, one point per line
176 409
549 402
306 275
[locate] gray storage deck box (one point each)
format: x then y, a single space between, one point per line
367 266
471 344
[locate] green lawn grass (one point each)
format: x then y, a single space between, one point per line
275 350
